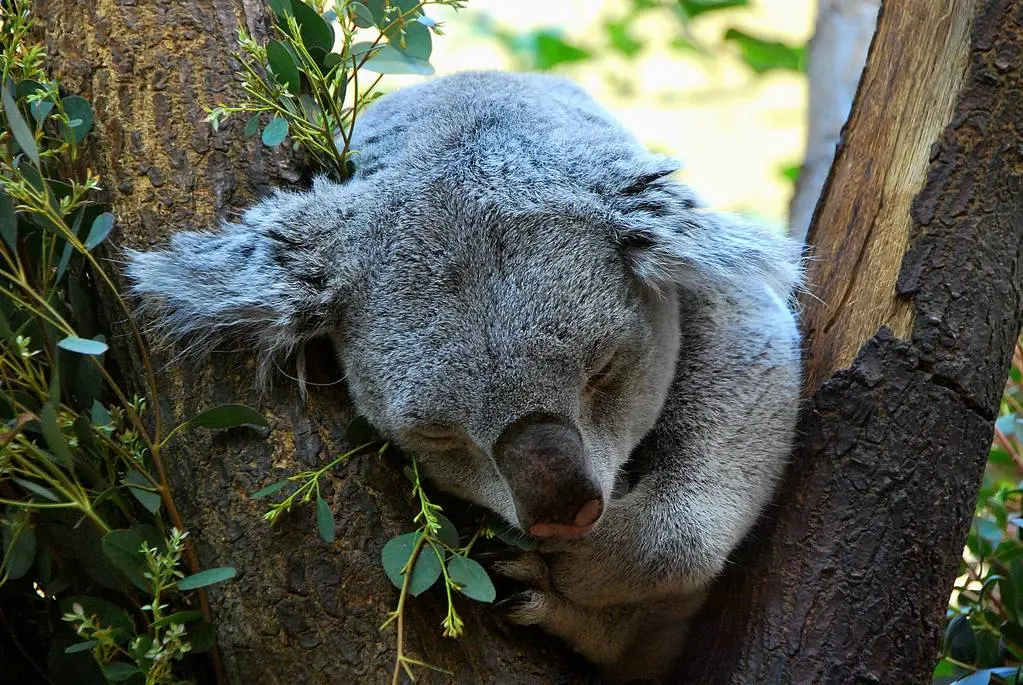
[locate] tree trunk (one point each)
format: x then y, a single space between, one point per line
838 52
301 610
912 315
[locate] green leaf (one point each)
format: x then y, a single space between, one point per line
54 437
140 487
395 556
621 39
229 416
180 617
8 221
81 646
83 345
270 489
281 8
207 577
791 172
378 8
105 613
201 636
314 29
764 55
448 534
19 551
550 50
516 538
363 16
36 488
252 126
101 227
694 8
119 671
123 548
275 132
283 66
40 109
417 42
472 579
324 520
77 108
389 60
99 414
19 129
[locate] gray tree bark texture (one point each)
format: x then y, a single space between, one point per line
835 62
301 610
912 315
844 584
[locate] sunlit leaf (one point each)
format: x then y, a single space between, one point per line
275 132
389 60
315 31
764 55
83 345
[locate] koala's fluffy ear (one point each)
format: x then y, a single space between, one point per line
268 280
668 239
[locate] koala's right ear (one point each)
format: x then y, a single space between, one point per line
275 279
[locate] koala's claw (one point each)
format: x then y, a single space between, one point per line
529 568
528 608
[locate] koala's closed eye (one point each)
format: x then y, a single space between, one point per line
435 435
604 372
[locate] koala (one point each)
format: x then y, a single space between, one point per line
523 296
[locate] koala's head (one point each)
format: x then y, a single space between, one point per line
520 341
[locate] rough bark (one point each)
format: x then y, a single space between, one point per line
835 62
914 310
301 610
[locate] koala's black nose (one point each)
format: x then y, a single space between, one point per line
541 456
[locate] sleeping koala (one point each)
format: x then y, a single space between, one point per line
521 295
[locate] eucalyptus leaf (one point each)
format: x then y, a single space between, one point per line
106 613
395 555
472 579
315 31
140 487
123 548
19 549
19 129
229 416
390 60
119 671
270 489
83 345
324 520
37 489
54 436
281 8
8 221
763 55
448 533
81 646
363 16
207 577
417 41
40 109
252 126
80 117
101 228
283 66
179 617
275 132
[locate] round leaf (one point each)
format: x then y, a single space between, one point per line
101 227
281 8
282 64
363 16
207 577
79 112
324 520
119 671
82 345
395 556
314 29
275 132
448 533
123 548
418 43
472 579
229 416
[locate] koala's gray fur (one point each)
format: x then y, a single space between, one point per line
502 241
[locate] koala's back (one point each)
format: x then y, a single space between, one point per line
500 128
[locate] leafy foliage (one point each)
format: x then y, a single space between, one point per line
305 81
548 48
89 523
983 640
